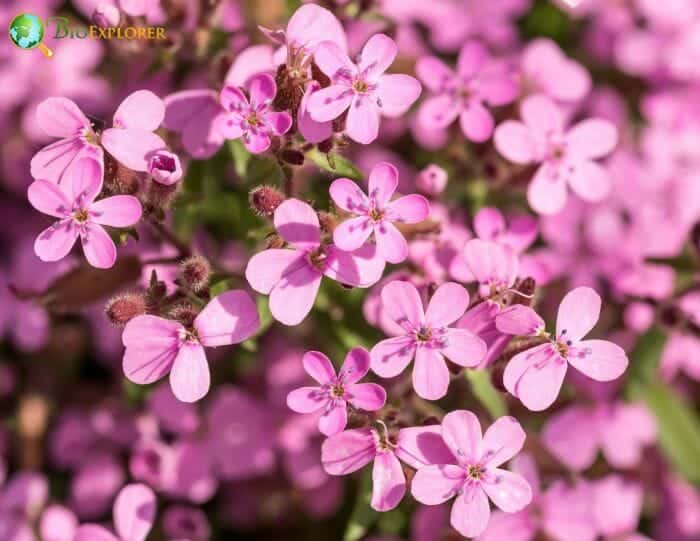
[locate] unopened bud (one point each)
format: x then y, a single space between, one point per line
106 15
165 167
195 272
184 313
274 241
123 308
326 146
264 200
432 180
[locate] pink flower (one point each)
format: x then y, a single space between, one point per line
375 214
292 276
165 167
336 391
519 232
617 506
432 180
566 157
428 337
156 346
364 89
79 214
194 114
472 474
348 451
134 514
536 375
253 120
493 265
479 80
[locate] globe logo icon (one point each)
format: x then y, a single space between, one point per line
27 32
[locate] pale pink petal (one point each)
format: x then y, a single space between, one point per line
85 176
262 89
489 223
515 142
419 446
98 246
353 233
377 55
93 532
502 441
312 131
476 122
447 305
592 138
433 73
294 295
461 432
361 268
366 396
228 318
54 242
510 526
311 25
396 93
509 491
348 451
522 232
306 399
257 142
599 359
334 419
58 523
391 243
547 190
51 162
134 512
438 112
280 122
355 366
141 109
348 196
383 180
498 85
362 124
436 483
519 320
403 304
48 198
132 147
470 511
265 269
463 347
116 211
390 357
491 262
388 482
572 436
60 117
319 367
193 113
329 103
590 181
472 57
409 209
189 376
542 115
331 59
567 512
151 347
232 98
578 313
626 430
297 223
228 126
535 376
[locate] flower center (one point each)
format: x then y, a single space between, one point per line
424 334
475 472
337 391
163 163
360 86
253 119
376 214
91 137
81 216
317 258
189 335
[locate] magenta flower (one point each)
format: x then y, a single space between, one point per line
292 276
348 451
194 114
79 214
472 473
375 214
428 337
536 375
165 167
156 346
493 265
519 232
253 120
134 514
479 80
336 391
363 89
566 157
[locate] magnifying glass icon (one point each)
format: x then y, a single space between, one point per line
27 32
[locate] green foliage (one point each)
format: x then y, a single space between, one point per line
363 516
486 393
339 165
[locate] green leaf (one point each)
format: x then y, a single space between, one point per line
363 516
486 393
644 359
219 287
334 163
241 157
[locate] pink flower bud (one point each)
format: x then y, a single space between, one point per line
194 272
106 15
123 308
432 180
265 199
165 167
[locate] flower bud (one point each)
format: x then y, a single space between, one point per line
432 180
195 272
327 221
165 167
106 15
264 200
185 313
123 308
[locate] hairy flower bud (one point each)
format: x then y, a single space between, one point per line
264 200
185 313
195 272
123 308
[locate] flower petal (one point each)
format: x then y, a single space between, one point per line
502 441
93 532
403 304
590 181
361 268
331 59
257 141
447 305
265 269
431 378
294 295
377 55
141 109
132 147
388 482
578 313
189 376
476 122
438 112
434 73
572 436
542 115
592 138
116 211
152 344
391 244
319 367
334 419
472 57
51 162
60 117
228 318
279 121
366 396
262 89
348 196
547 190
491 262
519 320
306 399
420 446
409 209
329 103
437 483
535 376
396 93
348 451
464 348
355 366
98 246
297 223
55 242
470 512
362 123
461 432
509 491
134 512
85 175
515 142
353 233
48 198
599 359
383 180
391 357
